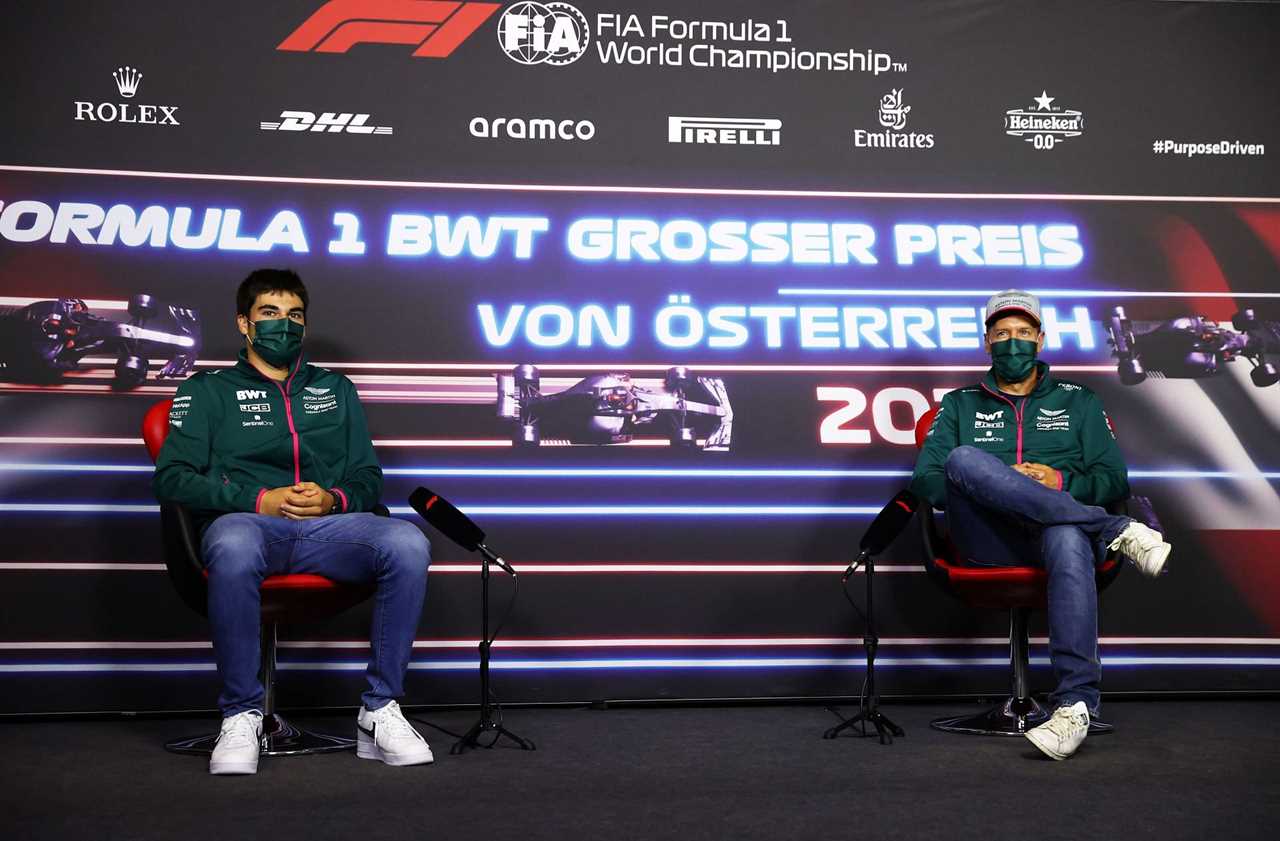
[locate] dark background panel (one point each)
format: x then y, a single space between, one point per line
1139 71
1204 450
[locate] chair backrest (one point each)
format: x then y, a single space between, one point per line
155 427
922 427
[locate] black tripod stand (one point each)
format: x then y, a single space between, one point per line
869 705
487 724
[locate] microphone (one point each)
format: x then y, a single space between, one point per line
885 528
453 524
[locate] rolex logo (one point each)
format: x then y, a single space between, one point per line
127 79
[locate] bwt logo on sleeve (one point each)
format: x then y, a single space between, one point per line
435 28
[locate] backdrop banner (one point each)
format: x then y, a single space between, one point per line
763 232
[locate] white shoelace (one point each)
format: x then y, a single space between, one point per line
1143 540
239 729
1064 722
392 720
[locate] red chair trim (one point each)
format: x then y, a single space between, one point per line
297 581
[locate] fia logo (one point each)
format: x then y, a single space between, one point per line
538 33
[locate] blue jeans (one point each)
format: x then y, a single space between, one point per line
240 550
998 517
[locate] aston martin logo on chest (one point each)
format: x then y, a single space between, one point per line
1053 420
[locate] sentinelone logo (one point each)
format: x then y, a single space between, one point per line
436 29
733 131
127 80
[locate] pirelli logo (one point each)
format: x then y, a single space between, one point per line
731 131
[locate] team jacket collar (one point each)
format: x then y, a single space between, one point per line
1043 385
299 376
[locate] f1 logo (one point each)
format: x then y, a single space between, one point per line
435 26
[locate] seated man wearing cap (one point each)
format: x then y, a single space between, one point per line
1023 463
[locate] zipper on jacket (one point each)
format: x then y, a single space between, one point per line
288 413
1017 413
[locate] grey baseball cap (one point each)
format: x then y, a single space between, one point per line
1013 300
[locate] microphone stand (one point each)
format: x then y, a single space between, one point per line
869 703
487 724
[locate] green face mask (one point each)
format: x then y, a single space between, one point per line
278 340
1014 359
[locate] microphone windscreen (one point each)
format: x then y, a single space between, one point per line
451 522
889 523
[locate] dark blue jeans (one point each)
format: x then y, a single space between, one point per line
240 550
998 517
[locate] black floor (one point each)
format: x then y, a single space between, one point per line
1172 770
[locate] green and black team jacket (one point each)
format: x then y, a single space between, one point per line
1060 423
235 434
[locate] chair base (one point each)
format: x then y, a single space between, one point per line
1013 717
280 739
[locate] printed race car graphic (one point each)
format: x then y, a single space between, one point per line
692 412
1192 347
43 340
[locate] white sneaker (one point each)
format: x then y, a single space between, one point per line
384 734
1144 546
1059 737
239 743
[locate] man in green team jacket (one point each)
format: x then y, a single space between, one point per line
1023 463
274 461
